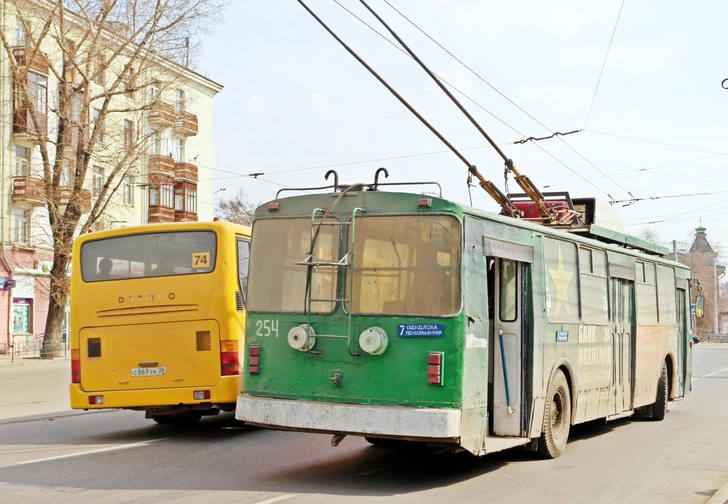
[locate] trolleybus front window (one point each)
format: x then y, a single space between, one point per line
406 265
149 254
277 283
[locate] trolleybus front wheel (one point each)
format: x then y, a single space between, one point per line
557 417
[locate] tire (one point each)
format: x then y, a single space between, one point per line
556 418
659 409
179 420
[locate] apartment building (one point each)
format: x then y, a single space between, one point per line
151 161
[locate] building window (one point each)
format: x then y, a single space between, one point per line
167 195
97 69
22 161
99 126
154 196
98 180
21 315
21 225
38 91
67 173
180 101
191 200
128 187
129 82
179 199
179 150
21 38
156 143
154 89
128 134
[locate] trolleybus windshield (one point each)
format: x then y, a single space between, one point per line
406 265
277 283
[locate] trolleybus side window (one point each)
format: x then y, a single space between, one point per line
278 284
561 281
666 295
406 265
594 286
149 254
508 290
646 294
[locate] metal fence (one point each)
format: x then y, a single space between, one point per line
25 346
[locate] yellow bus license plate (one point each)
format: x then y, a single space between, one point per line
149 371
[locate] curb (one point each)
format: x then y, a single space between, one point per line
719 497
27 361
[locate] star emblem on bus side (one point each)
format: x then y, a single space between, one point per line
562 279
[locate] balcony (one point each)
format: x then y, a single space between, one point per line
160 213
38 61
162 115
24 129
185 172
65 196
29 190
186 124
184 216
162 165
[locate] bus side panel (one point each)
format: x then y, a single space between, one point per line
646 358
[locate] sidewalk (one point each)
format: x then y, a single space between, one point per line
32 387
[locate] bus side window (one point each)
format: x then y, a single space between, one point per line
243 261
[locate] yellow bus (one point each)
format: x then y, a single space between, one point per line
158 318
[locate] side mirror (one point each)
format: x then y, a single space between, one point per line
699 306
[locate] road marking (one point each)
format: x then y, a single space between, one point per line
275 499
376 470
724 369
100 450
711 374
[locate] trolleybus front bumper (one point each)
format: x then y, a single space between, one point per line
433 424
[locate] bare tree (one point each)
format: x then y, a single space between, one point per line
84 80
238 209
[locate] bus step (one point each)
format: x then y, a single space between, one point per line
495 444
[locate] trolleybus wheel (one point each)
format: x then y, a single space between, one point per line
557 417
182 419
659 409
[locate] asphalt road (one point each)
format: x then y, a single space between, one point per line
118 456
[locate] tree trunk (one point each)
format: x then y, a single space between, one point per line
59 287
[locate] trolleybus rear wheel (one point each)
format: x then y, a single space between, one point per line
557 417
659 409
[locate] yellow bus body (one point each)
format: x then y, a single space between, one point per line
177 328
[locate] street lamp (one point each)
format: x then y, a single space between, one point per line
223 188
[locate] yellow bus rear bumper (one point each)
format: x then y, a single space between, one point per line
223 395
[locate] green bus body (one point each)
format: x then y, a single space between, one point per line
449 323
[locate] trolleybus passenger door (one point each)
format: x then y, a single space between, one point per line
683 340
622 315
507 349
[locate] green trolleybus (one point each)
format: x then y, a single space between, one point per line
402 316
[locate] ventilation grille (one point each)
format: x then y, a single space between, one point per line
203 341
239 301
94 347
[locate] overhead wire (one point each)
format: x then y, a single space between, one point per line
604 64
476 74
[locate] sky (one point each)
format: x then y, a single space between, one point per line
641 80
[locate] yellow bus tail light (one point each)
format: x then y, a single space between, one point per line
96 399
75 366
201 395
229 361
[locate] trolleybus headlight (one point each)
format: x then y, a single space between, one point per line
302 338
373 341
